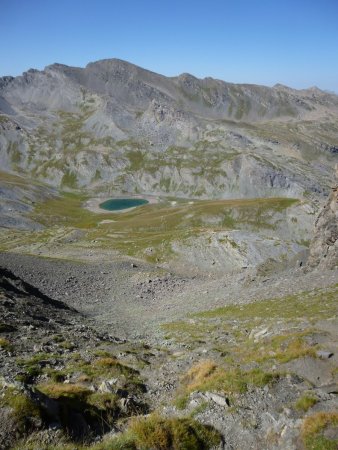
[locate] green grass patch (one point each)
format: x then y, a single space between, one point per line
66 210
155 432
69 180
5 344
318 304
231 330
95 370
24 409
280 348
305 402
102 368
208 376
99 408
313 429
184 330
61 390
33 367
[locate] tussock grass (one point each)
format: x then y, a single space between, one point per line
294 349
281 348
208 376
155 432
198 374
107 362
103 401
57 376
33 366
305 402
152 432
98 407
24 409
95 369
5 344
61 390
313 428
100 410
82 372
102 368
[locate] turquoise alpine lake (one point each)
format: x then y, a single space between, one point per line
117 204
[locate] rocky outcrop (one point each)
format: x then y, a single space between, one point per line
37 336
324 246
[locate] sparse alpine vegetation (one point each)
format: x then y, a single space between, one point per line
195 321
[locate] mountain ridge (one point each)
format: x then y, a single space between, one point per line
111 123
130 64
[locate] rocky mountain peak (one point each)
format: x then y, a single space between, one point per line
281 86
4 81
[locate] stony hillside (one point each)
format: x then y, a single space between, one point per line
113 125
324 246
259 371
195 321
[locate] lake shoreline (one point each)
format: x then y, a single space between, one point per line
93 204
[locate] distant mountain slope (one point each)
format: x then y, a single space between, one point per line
113 125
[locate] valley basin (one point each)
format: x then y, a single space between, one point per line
118 204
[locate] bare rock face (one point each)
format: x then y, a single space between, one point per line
324 246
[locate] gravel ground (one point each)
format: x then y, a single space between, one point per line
132 301
121 300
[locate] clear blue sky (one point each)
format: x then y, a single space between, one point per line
293 42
